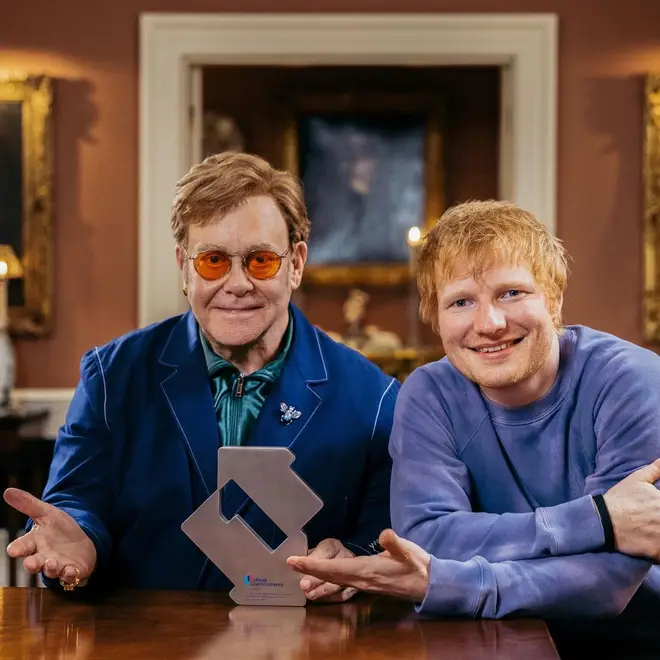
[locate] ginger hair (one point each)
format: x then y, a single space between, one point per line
481 234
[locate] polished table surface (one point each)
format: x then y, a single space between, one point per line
36 623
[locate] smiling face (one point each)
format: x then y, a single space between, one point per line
239 311
497 331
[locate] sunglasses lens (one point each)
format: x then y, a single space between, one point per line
263 264
212 265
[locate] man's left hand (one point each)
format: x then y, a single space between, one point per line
319 589
401 570
634 507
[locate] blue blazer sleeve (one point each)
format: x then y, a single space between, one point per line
80 478
374 516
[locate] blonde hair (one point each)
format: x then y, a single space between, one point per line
478 234
222 182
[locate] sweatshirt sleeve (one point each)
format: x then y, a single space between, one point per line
588 585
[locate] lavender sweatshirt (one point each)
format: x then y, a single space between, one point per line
501 497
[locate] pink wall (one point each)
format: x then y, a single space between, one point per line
93 48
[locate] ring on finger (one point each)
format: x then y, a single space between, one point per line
70 586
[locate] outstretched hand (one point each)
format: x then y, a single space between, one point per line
55 545
318 589
401 570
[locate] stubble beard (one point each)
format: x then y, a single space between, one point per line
500 377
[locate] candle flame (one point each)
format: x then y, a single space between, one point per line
414 235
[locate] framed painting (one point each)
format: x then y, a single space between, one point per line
651 304
26 198
372 168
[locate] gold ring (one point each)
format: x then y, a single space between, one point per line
74 584
35 527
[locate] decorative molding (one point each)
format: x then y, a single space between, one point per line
652 210
55 400
524 45
35 94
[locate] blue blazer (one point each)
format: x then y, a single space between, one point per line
138 451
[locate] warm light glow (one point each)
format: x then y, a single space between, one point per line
10 265
414 235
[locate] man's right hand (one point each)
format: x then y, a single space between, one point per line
55 545
634 507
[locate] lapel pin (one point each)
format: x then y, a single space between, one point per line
289 414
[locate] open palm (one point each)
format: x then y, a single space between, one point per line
402 569
56 545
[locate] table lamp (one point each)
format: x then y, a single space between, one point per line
10 268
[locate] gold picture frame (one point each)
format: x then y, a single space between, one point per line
33 221
424 108
652 209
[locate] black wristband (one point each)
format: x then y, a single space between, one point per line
606 520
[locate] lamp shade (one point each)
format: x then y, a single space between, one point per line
10 266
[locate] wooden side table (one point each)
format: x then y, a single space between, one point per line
12 424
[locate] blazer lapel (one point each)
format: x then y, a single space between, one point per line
188 395
298 387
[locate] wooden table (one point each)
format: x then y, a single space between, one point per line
36 623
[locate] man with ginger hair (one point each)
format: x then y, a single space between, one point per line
503 449
138 452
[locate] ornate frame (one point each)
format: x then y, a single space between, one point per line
381 274
652 210
34 317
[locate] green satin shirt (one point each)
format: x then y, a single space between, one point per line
238 398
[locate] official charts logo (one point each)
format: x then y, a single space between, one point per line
251 581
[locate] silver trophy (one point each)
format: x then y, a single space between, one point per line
260 575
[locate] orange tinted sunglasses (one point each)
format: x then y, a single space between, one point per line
215 264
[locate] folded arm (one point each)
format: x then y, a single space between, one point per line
496 581
589 585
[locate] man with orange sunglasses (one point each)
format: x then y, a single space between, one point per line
138 452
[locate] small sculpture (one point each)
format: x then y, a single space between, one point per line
220 133
354 310
380 341
364 338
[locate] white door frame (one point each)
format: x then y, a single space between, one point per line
524 45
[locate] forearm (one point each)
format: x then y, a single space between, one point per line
583 585
570 528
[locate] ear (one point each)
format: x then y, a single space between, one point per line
558 310
182 263
180 258
298 260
